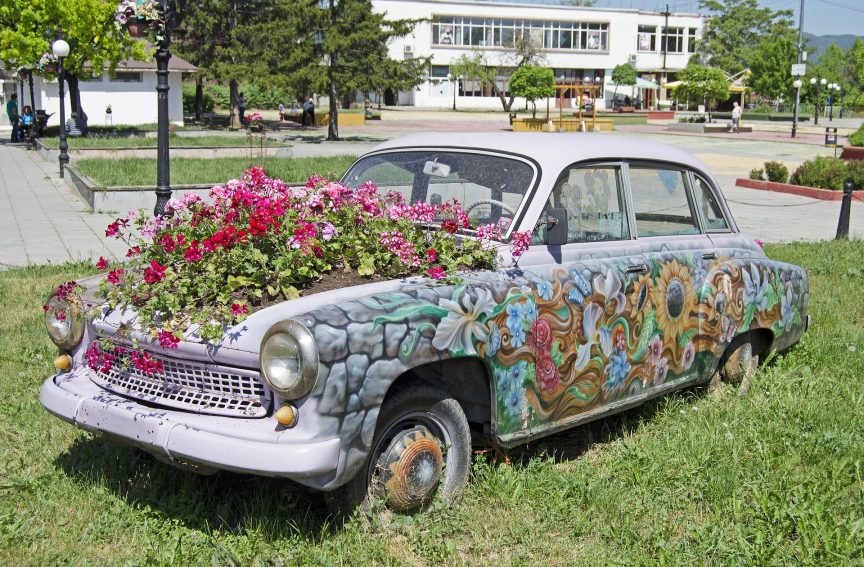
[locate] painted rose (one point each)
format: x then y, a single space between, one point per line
541 336
547 374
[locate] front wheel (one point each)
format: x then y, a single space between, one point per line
421 451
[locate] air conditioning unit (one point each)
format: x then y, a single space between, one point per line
632 59
409 50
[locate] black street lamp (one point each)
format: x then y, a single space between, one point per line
832 88
818 84
455 79
163 156
61 51
797 84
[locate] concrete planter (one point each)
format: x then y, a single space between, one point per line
812 192
852 152
566 125
703 127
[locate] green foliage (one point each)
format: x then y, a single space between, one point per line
702 83
533 83
757 174
189 100
257 96
770 62
777 172
828 173
624 74
857 137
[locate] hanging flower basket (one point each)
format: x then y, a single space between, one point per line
137 28
50 69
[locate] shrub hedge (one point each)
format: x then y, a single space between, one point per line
829 173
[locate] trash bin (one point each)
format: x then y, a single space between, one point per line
830 137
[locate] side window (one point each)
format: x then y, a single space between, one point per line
593 198
660 202
707 203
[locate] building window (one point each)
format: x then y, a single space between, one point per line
439 71
502 32
128 77
691 40
89 79
674 40
647 38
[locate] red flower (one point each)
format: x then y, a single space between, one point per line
168 340
541 336
193 253
547 374
102 263
154 273
114 276
436 273
239 309
432 254
450 226
134 251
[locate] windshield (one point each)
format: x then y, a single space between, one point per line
490 188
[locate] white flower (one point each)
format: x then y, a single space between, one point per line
610 287
594 334
457 330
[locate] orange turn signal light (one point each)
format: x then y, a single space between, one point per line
63 362
287 415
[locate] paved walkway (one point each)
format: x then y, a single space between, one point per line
41 219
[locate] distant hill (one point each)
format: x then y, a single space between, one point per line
820 42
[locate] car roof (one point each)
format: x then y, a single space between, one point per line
552 151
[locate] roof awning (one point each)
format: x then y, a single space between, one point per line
732 88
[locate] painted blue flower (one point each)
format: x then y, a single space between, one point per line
516 373
502 379
514 402
755 288
787 309
494 341
529 310
581 289
616 371
514 317
544 289
517 336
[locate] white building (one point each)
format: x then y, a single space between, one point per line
130 91
578 43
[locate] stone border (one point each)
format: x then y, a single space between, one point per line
703 127
812 192
852 152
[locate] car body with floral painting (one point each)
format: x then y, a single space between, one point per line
548 281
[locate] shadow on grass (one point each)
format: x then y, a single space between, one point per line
226 501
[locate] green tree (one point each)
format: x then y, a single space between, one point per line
623 74
533 83
703 83
28 28
736 29
347 51
770 64
855 64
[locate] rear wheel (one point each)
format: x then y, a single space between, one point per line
740 364
421 451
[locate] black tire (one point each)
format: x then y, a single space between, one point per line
414 412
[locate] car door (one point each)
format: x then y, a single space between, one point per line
579 324
669 228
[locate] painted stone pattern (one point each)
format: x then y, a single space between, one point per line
557 341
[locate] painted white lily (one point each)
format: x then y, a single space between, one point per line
610 287
457 330
594 334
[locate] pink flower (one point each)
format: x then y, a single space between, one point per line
520 242
450 225
154 273
436 273
547 374
759 242
239 309
193 253
114 276
102 263
145 363
168 340
688 356
432 254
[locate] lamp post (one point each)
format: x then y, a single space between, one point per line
815 84
455 80
163 163
61 50
832 88
797 84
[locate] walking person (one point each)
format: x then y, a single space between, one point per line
12 113
309 111
736 118
281 112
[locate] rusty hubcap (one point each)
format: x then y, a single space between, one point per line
410 468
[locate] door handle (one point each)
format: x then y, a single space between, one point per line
709 255
637 268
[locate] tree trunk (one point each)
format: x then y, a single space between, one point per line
75 96
199 99
534 110
333 122
234 94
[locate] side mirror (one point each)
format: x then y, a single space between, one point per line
556 231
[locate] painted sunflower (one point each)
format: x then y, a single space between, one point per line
674 299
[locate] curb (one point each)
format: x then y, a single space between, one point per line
812 192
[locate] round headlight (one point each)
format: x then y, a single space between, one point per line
289 359
64 321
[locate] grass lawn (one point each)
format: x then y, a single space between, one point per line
772 477
113 142
184 171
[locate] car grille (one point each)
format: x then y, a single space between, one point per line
190 386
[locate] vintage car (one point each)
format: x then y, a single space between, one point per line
636 283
